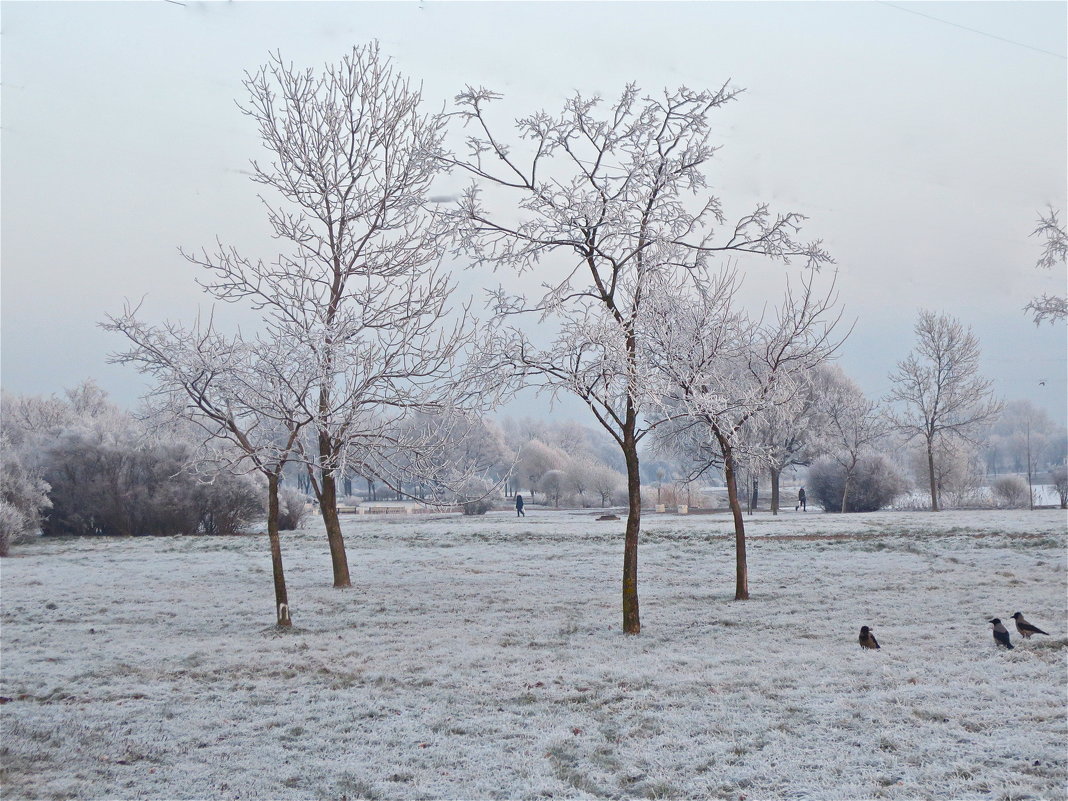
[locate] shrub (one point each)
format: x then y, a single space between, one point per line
102 471
875 484
1010 491
475 507
107 479
292 507
1059 477
14 527
23 496
229 503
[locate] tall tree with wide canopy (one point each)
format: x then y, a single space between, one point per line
615 196
351 159
938 391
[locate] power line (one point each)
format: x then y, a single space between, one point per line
974 30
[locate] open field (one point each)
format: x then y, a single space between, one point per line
482 658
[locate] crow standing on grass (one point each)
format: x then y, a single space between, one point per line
867 639
1025 628
1001 634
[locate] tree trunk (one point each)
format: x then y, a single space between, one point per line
931 473
774 490
848 480
741 568
631 618
328 509
281 597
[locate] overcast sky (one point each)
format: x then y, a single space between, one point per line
922 140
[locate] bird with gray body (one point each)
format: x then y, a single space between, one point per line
1026 629
1001 634
867 639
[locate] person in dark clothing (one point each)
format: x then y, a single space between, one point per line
519 506
801 501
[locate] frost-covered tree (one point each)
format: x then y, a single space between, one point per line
958 472
1054 255
553 485
875 482
454 456
23 497
250 395
852 425
351 159
718 369
938 390
790 434
535 459
608 484
615 195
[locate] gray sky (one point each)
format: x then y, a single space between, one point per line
921 139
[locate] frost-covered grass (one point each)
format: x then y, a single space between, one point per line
482 658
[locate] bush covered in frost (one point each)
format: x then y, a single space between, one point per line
874 484
112 480
23 497
292 507
100 470
1010 492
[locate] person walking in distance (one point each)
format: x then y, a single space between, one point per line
519 506
801 501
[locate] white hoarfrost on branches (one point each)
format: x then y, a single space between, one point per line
358 291
852 425
23 497
617 194
251 395
718 370
938 392
1054 256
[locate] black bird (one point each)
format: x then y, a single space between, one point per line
1001 634
1025 628
867 639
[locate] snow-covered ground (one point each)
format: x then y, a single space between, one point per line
482 658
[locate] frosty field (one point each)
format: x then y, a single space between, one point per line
482 658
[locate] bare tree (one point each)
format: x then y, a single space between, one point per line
1054 256
607 483
351 161
719 369
938 390
619 196
789 435
248 395
853 424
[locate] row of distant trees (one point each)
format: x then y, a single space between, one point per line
93 468
563 463
360 363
